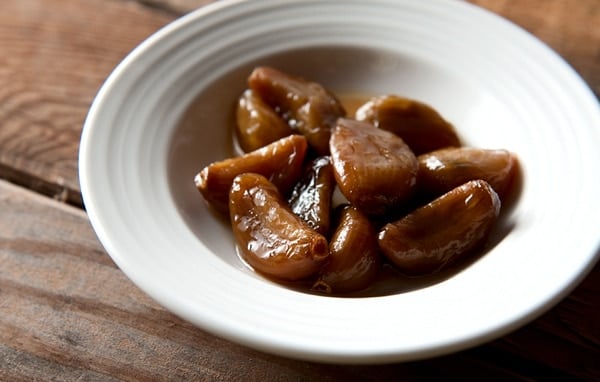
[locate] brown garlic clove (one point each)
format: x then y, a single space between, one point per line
443 231
442 170
421 127
354 255
307 106
269 236
281 162
257 124
311 197
374 169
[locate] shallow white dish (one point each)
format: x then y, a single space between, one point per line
164 113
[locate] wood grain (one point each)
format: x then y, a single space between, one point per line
55 55
66 310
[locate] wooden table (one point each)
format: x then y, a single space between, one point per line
68 313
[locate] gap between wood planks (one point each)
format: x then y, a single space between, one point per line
175 7
55 190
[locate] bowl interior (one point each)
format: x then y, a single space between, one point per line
204 134
167 111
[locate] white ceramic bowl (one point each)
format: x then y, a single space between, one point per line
165 112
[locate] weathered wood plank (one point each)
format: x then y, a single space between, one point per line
54 56
67 311
19 366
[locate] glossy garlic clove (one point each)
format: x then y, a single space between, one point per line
281 162
421 127
374 169
443 231
311 197
257 124
354 255
442 170
269 236
307 106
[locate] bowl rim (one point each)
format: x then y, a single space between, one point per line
90 167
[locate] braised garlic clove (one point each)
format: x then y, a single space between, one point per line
354 255
442 170
280 161
443 231
311 197
269 236
257 124
421 127
307 106
374 169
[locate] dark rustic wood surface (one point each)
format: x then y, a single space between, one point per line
68 313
